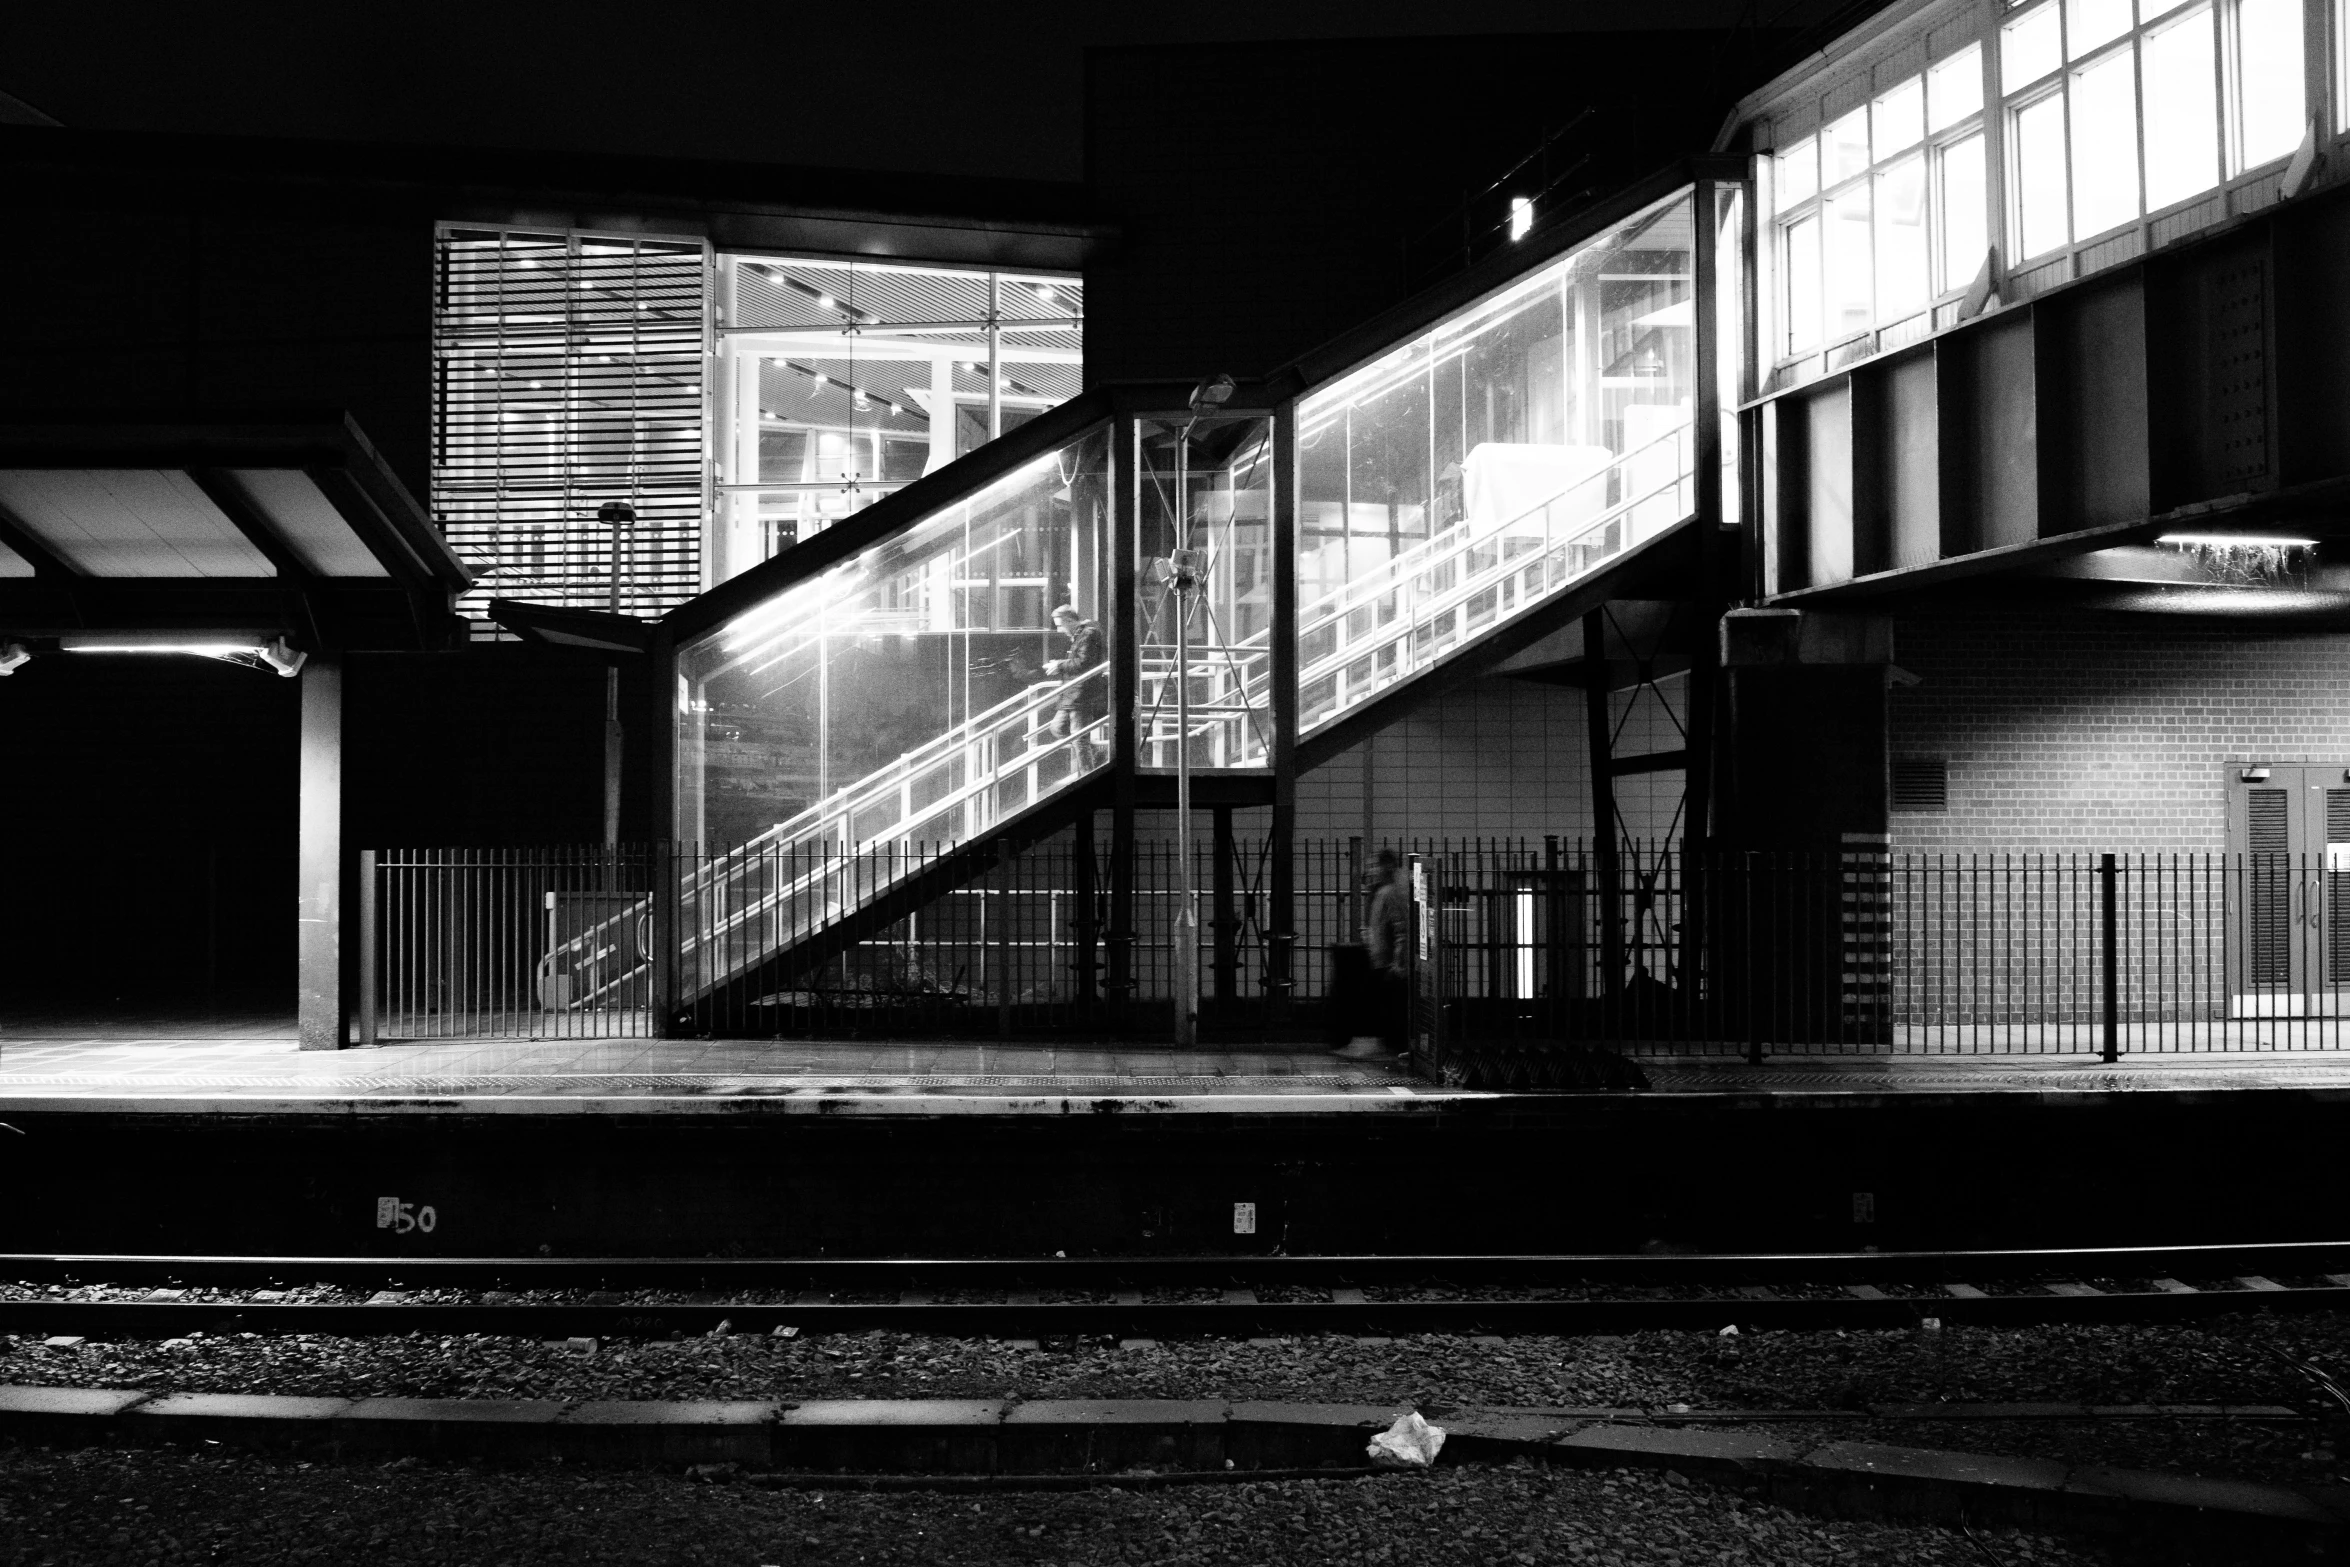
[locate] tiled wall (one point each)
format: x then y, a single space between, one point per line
1499 757
2104 732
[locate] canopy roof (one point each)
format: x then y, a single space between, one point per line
293 527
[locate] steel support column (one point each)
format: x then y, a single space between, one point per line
1607 875
1280 917
322 996
1125 686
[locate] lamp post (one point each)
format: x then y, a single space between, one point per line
1182 579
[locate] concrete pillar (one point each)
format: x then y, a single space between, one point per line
322 1006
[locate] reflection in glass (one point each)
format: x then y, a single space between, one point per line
904 693
1954 88
1964 213
1224 516
1494 460
1898 119
2091 23
2268 53
1844 148
2039 166
2105 144
1847 244
2182 134
842 381
1798 173
2029 48
1803 285
1902 283
1729 327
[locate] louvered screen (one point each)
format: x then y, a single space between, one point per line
2269 872
569 374
2337 888
1921 783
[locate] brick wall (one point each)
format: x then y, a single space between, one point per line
2104 732
1496 757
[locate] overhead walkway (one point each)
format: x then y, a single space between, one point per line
864 720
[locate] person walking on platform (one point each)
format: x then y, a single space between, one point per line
1387 934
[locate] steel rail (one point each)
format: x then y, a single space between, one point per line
1009 1297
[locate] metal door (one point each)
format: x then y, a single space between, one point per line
2288 888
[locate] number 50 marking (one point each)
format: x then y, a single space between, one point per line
402 1217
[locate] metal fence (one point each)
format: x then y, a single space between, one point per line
1527 943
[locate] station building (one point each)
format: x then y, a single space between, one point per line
1940 461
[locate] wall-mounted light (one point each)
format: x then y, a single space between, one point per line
13 657
1521 216
2254 775
2223 541
255 649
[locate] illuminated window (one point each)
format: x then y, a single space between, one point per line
2182 142
841 382
1867 233
2269 86
2104 116
2222 88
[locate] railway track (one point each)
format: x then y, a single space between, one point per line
163 1296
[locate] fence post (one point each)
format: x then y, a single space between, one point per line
1003 938
665 939
367 939
1753 1000
2109 875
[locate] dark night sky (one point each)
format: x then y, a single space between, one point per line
980 89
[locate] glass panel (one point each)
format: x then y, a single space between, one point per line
1844 148
1847 244
1729 327
2182 139
1902 284
1898 119
2268 51
2029 48
1965 212
918 691
2089 24
860 376
2148 10
1803 285
1798 177
1494 460
1218 506
1954 88
2040 182
2105 144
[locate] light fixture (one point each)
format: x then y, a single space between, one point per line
254 649
1209 396
824 302
283 657
2254 775
13 657
1521 216
2222 541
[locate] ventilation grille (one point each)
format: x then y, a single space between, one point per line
2269 892
1921 783
568 374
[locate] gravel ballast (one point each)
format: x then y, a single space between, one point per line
2229 1360
66 1507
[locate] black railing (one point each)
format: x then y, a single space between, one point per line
1528 946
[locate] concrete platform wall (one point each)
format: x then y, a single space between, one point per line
1590 1174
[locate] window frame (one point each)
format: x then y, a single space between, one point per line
1930 146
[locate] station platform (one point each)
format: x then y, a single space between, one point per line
250 1065
161 1135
